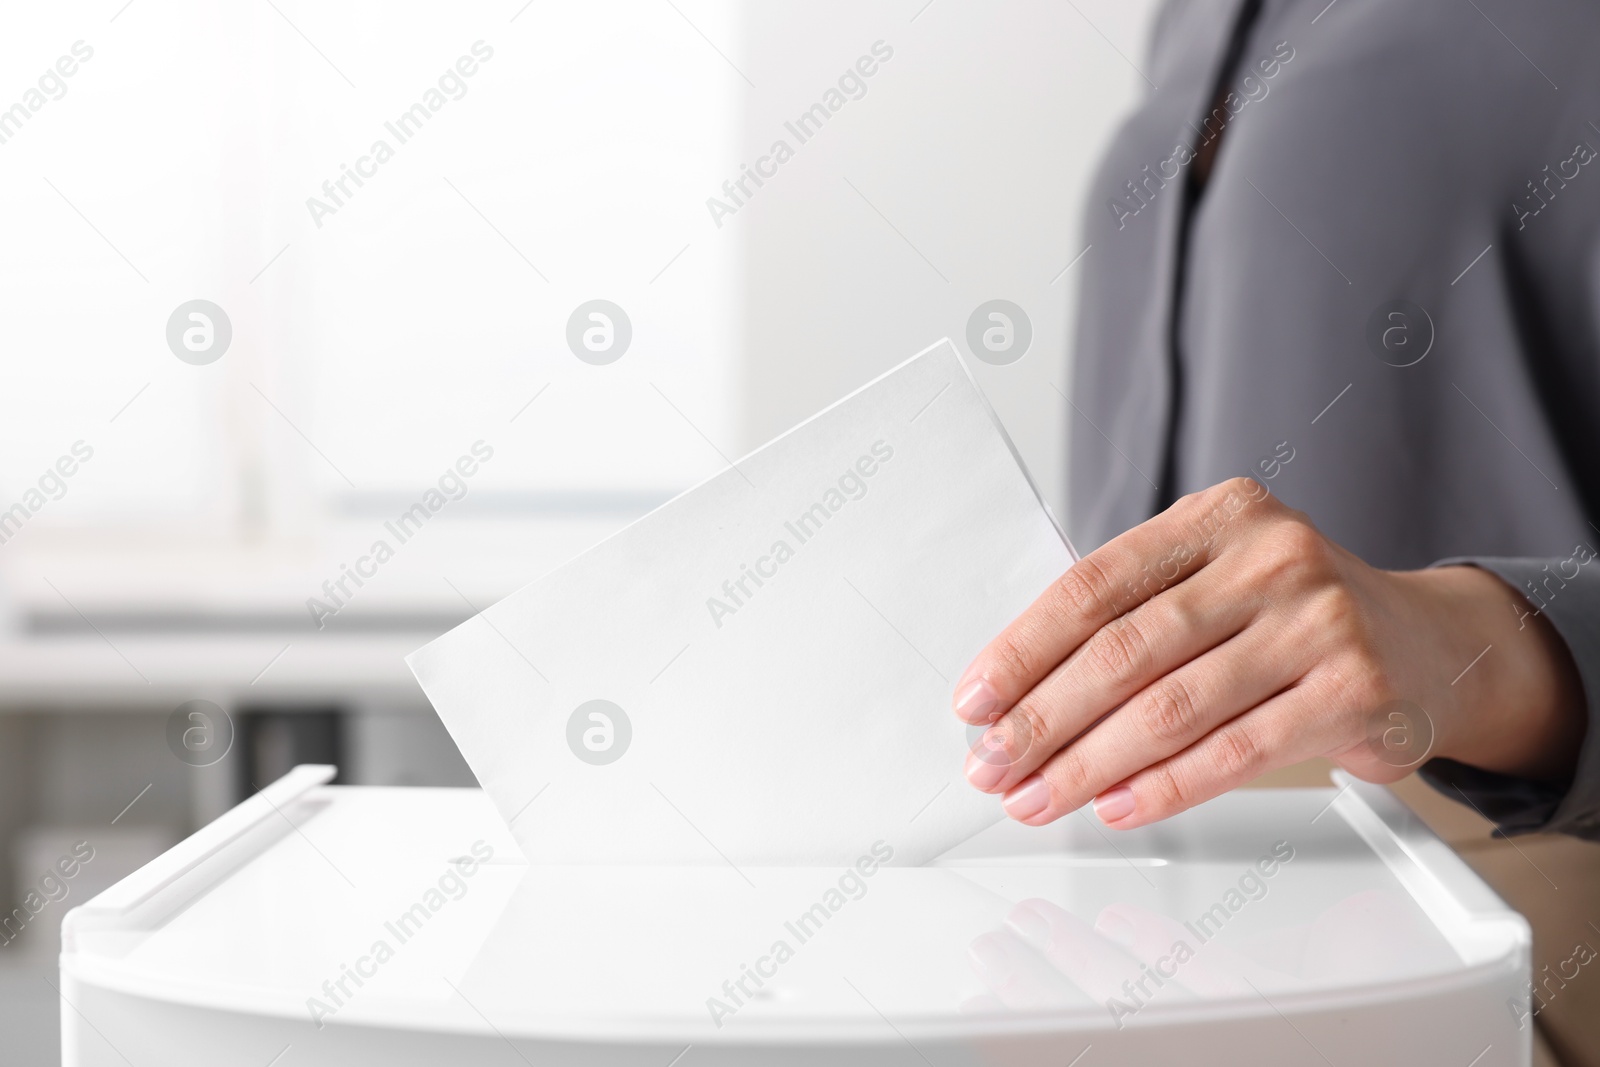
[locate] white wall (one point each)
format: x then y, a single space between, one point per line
975 141
407 325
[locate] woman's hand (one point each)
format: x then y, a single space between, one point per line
1226 637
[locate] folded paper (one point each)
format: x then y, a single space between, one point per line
759 671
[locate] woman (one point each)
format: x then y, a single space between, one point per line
1348 251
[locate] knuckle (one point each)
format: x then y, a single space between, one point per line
1116 650
1176 613
1337 605
1012 656
1292 552
1240 485
1214 511
1171 714
1337 612
1161 791
1299 542
1335 623
1363 682
1211 495
1086 588
1236 754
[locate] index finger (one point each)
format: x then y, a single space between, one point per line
1107 583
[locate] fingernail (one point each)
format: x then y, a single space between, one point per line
977 702
986 764
1114 804
1028 799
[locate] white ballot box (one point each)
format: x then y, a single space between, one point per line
322 925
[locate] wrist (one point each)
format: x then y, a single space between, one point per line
1517 705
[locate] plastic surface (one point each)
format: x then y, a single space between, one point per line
403 926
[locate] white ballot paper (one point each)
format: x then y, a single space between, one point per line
759 672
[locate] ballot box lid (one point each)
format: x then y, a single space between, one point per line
413 909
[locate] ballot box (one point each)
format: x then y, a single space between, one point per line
324 925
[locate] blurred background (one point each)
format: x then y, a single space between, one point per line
178 620
158 658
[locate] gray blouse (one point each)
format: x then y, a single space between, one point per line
1384 301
